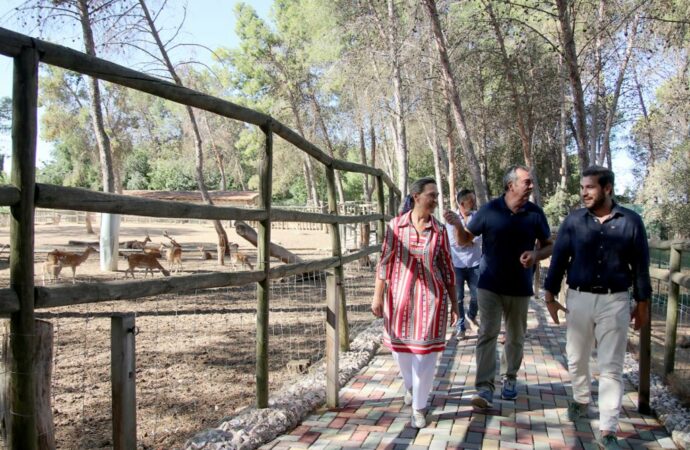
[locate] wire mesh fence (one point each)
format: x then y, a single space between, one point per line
195 355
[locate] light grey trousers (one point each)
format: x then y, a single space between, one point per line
493 307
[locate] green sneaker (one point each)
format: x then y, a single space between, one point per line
577 411
608 441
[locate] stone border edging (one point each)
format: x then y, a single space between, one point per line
253 427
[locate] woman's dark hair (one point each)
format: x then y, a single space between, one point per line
416 187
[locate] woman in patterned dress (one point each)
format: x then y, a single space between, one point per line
417 268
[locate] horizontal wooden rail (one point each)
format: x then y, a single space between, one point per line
659 274
681 279
9 195
680 245
67 295
11 43
60 197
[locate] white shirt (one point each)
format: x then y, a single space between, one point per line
464 256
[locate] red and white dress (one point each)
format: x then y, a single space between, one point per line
418 268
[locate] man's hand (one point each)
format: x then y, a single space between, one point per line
553 306
377 307
452 218
640 315
528 259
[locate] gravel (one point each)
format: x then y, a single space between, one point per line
668 409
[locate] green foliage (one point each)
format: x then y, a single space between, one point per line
5 114
559 205
665 195
167 175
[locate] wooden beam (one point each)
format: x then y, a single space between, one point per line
352 257
332 341
672 313
9 195
78 199
659 274
23 433
263 288
123 381
337 253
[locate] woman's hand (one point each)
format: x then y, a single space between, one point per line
377 306
454 315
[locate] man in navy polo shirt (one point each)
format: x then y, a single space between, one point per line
510 226
603 247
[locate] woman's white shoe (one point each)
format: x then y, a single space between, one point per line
408 397
418 419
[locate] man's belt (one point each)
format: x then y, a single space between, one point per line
597 289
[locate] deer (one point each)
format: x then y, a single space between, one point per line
174 255
237 257
204 254
157 252
52 266
138 244
145 260
74 260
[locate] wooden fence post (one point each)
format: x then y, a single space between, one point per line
338 270
332 338
645 363
123 379
672 312
381 226
23 432
264 256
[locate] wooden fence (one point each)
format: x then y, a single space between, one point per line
20 300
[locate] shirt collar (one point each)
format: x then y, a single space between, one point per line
616 210
406 220
504 205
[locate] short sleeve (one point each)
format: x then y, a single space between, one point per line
476 225
385 267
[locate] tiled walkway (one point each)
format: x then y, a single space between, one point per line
372 414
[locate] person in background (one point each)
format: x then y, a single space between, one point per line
603 248
509 226
417 270
465 260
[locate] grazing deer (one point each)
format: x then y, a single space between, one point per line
174 254
204 254
237 257
138 244
52 266
74 260
145 260
157 252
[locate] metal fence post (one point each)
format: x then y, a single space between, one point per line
332 339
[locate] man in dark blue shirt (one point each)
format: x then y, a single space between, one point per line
603 248
510 226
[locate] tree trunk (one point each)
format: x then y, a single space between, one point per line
222 236
599 87
454 98
523 114
562 128
647 125
363 160
329 145
372 144
605 147
218 154
570 54
277 251
110 223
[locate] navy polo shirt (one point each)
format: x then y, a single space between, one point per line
506 236
612 255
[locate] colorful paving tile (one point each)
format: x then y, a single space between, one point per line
372 415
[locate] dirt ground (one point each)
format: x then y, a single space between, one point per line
195 350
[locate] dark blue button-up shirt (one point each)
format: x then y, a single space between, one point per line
505 236
611 255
